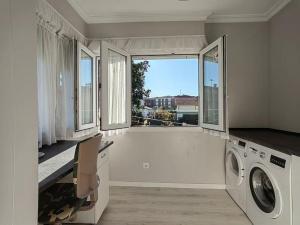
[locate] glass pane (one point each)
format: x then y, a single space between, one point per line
165 90
211 87
86 88
262 190
116 88
234 165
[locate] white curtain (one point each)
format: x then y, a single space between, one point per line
46 76
64 89
55 71
116 88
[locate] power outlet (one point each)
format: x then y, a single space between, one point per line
146 165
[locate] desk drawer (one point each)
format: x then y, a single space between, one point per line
102 157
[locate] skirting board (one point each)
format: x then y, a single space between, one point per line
166 185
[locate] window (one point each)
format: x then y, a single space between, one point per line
86 88
165 90
212 88
115 79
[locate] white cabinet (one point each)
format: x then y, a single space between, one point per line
93 215
103 190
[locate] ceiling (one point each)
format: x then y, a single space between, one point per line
115 11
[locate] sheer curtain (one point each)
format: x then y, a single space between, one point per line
64 123
55 85
46 72
116 88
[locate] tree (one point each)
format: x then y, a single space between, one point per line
138 82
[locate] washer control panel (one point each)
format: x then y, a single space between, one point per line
242 144
278 161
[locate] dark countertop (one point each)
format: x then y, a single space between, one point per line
283 141
55 149
61 146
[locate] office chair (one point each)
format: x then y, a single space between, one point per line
60 202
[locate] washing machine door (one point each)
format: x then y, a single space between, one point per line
265 191
234 167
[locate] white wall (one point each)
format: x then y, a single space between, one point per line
285 68
248 71
18 118
176 155
194 157
145 29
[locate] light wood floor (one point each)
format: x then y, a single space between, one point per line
165 206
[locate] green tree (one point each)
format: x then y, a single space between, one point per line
138 82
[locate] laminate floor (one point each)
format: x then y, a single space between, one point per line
167 206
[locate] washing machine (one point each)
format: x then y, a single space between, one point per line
268 199
235 170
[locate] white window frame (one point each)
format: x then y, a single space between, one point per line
98 88
105 47
220 43
80 126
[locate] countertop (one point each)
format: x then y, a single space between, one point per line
283 141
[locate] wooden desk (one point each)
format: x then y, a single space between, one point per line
59 161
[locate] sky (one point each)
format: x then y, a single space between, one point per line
176 76
85 70
211 73
172 77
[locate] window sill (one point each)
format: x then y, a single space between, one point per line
78 134
164 129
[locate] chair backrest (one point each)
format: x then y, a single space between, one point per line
85 166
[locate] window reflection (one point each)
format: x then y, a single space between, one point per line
86 88
211 87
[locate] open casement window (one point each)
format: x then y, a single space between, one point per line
212 71
115 87
86 88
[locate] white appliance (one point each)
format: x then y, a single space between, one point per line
268 186
235 170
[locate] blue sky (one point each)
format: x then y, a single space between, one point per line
176 76
211 73
85 70
172 77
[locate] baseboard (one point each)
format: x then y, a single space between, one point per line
166 185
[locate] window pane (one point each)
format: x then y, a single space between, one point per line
116 88
86 88
211 87
165 91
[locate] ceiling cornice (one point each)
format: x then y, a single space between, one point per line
192 16
276 8
148 18
263 17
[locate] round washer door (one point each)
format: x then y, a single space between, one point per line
234 167
265 191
